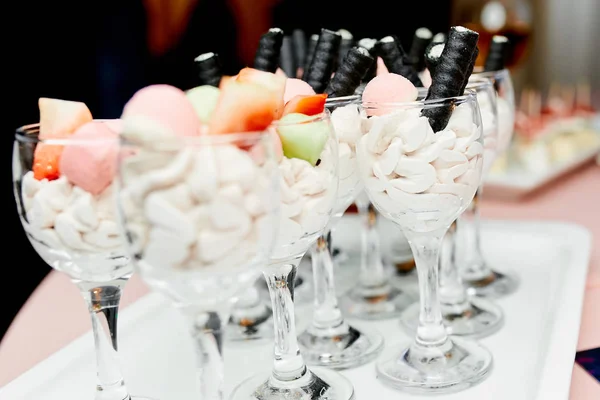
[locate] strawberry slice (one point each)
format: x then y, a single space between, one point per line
46 161
273 82
311 104
243 107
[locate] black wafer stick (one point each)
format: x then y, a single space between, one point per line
432 56
439 37
450 74
310 51
416 54
210 69
287 59
345 45
371 45
321 67
351 72
470 70
496 58
299 46
393 55
268 51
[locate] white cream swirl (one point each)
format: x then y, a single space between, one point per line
420 178
307 199
66 217
346 121
203 206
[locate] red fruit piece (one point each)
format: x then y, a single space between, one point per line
243 107
46 161
311 104
273 82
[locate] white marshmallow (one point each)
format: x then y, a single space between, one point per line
83 210
164 249
106 236
414 132
213 245
235 166
415 175
227 216
165 210
390 157
202 177
30 185
253 204
65 227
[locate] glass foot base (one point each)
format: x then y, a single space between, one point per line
351 349
318 383
250 324
453 367
495 285
372 304
481 318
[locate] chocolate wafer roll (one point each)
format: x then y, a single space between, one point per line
268 51
439 37
393 55
432 56
349 75
345 45
210 69
299 46
321 67
371 45
287 59
450 74
416 54
496 58
310 51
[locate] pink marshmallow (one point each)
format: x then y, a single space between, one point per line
388 88
167 106
381 68
295 87
89 160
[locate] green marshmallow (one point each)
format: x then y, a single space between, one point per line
303 140
204 100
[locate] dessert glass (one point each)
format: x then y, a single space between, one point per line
466 315
200 214
76 232
308 196
423 181
477 273
329 340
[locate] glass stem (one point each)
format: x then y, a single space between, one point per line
471 262
103 304
327 316
426 251
372 272
288 363
453 296
206 328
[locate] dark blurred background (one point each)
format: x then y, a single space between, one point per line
102 52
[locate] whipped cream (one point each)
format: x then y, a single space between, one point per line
347 123
205 206
490 129
308 195
73 230
64 216
506 124
421 179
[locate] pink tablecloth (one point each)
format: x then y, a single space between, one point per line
55 314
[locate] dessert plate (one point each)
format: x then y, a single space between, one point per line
516 183
533 353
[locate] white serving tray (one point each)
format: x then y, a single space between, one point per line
533 352
516 183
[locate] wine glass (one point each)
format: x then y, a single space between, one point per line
200 214
329 340
308 196
423 180
476 272
73 227
466 315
